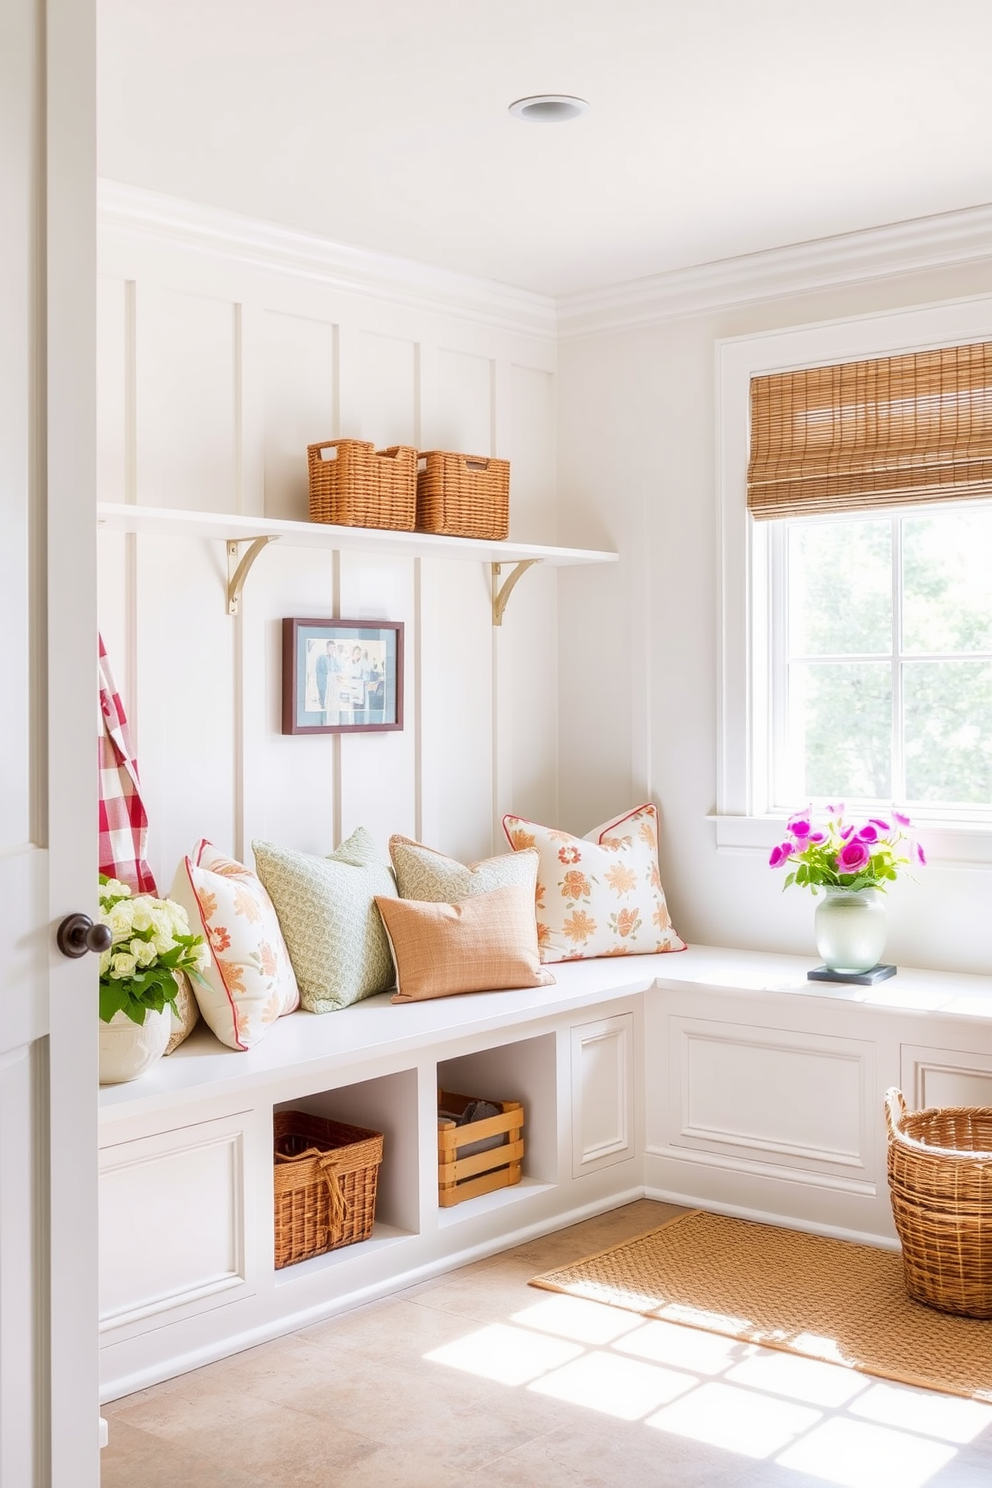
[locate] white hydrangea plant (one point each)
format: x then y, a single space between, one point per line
152 939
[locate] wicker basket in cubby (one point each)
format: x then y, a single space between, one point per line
360 486
325 1181
463 495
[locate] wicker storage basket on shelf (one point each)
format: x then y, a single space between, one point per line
325 1181
463 495
360 486
940 1179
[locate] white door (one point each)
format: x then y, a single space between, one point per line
49 1413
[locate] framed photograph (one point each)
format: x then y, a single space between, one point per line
342 676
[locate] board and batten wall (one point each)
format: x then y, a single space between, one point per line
638 446
225 348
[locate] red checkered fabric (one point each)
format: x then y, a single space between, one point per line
123 819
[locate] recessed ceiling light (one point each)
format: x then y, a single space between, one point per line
548 108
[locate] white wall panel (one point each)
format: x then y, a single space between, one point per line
457 757
290 793
602 1093
172 1221
945 1077
300 381
525 660
532 455
187 400
387 377
379 770
183 709
773 1097
215 375
465 407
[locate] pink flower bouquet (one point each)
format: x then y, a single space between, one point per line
840 855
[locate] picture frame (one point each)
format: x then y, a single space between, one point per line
342 676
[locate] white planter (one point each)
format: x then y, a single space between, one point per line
127 1049
850 929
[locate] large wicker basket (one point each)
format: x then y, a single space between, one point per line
360 486
940 1179
325 1182
463 495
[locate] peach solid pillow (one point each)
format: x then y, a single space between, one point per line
487 943
599 895
250 980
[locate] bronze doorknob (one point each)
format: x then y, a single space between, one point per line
78 934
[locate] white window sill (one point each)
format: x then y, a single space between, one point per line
949 844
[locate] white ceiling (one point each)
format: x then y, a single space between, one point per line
718 127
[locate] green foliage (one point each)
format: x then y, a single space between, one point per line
151 942
147 990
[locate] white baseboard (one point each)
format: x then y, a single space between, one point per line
761 1216
181 1363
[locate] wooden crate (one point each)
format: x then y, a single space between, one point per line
463 1171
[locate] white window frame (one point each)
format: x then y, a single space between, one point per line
743 821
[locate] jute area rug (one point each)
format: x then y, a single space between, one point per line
806 1294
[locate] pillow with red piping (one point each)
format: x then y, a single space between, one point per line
250 981
599 895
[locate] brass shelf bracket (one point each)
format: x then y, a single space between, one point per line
502 592
239 567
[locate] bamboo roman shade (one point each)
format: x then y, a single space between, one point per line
885 432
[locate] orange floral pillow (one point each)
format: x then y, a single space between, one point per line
250 980
599 895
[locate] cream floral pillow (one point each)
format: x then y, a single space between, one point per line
599 895
250 980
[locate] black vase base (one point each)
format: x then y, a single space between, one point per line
879 973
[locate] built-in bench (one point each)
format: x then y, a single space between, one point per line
711 1077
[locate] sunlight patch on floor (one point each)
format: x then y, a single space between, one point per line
808 1415
574 1317
738 1420
947 1416
686 1348
800 1379
852 1454
624 1388
510 1356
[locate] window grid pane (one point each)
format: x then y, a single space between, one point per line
883 689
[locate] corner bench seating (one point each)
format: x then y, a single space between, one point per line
711 1077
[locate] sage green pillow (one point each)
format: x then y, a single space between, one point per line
326 908
427 875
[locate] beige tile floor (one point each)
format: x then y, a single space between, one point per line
476 1380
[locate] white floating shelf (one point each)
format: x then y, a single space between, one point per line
258 532
166 522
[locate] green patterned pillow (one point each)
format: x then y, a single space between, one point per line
422 873
326 908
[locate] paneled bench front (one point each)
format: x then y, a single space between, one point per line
711 1077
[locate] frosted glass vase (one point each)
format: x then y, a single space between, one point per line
850 929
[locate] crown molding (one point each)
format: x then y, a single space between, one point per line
219 234
903 248
949 239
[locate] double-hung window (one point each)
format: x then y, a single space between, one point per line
863 670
